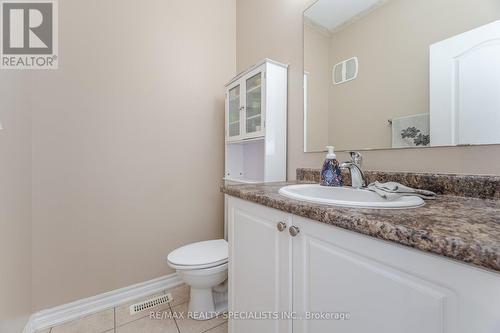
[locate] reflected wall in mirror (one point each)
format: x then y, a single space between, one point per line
401 73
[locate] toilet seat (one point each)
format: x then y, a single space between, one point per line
200 267
199 255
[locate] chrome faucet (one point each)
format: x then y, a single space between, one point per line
358 179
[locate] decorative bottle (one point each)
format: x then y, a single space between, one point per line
331 174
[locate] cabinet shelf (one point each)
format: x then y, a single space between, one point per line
243 141
254 89
253 117
241 180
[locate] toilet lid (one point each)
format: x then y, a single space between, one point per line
200 254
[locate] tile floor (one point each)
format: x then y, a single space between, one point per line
118 320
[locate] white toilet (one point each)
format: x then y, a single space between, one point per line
203 266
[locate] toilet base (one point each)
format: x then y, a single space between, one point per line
205 304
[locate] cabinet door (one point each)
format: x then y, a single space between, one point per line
336 276
254 104
259 266
233 113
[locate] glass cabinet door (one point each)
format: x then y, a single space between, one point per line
253 107
234 127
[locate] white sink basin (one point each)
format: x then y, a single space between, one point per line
347 197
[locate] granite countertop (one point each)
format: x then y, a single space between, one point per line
461 228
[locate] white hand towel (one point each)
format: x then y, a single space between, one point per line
393 191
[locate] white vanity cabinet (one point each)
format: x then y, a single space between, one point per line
379 286
260 279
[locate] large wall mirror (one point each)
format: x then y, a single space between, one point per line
401 73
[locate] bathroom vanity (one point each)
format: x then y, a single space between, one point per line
430 269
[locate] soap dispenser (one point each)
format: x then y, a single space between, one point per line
331 174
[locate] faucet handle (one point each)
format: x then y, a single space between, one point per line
356 158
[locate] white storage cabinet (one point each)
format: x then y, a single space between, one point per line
255 124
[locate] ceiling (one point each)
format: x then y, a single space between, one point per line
332 14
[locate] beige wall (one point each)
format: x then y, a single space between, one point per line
274 29
392 46
128 142
15 201
316 64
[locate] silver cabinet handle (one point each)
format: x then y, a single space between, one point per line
294 231
281 226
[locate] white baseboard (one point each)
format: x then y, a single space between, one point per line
87 306
29 327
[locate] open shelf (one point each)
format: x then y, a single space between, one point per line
245 161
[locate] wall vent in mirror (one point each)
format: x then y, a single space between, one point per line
345 71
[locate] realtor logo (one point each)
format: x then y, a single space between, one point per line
29 34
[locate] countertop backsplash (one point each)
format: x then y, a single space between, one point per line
481 187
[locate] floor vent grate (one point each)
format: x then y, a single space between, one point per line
150 303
